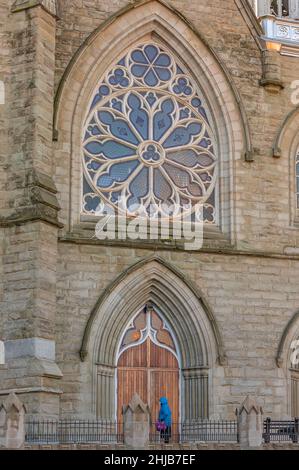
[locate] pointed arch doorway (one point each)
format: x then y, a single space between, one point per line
148 364
189 319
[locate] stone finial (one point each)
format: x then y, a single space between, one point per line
12 423
136 405
49 5
250 423
136 423
250 405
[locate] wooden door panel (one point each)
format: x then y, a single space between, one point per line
164 384
161 358
134 357
130 381
152 372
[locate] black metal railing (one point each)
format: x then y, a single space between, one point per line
281 431
72 432
197 431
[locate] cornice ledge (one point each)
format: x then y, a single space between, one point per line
49 5
40 202
273 86
226 250
31 214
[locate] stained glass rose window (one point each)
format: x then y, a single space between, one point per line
148 140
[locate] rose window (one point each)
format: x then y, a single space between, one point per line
148 141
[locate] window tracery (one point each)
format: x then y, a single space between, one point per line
147 324
148 139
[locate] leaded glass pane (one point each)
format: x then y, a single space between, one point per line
148 138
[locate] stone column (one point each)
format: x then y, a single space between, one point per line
294 8
250 424
136 418
105 392
2 353
263 7
12 423
196 393
30 226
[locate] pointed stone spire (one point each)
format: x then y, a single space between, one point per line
136 404
250 423
250 405
136 423
12 401
12 423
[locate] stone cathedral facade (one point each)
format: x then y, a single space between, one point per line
180 101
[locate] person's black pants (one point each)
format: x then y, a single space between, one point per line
166 434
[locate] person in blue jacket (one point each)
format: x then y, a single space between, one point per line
165 417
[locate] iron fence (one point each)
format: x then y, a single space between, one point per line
103 432
198 431
281 431
72 432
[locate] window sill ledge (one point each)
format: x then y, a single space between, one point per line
84 233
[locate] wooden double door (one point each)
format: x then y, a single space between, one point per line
151 371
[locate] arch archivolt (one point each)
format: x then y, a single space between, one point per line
286 146
290 334
287 359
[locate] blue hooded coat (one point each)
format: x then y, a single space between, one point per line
165 413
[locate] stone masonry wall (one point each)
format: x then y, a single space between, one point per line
252 299
49 291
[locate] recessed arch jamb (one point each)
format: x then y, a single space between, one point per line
248 150
189 284
289 331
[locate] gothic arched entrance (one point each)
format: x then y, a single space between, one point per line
148 364
189 322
